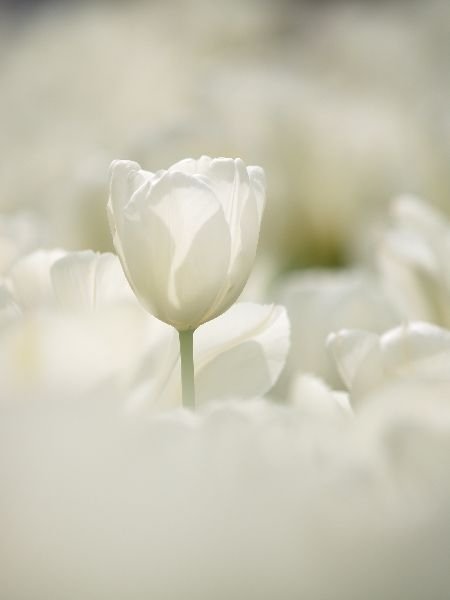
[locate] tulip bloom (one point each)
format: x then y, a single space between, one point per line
187 239
187 236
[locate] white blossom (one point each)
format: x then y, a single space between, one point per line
414 264
187 237
415 352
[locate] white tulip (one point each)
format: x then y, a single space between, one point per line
187 236
413 260
416 353
319 302
70 281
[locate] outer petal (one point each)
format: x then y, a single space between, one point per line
126 177
417 350
408 282
86 280
241 265
176 248
46 352
192 166
315 399
358 358
230 180
414 262
258 185
29 279
242 352
243 212
155 384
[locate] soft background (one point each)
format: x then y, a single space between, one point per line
345 104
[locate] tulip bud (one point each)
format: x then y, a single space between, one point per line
187 236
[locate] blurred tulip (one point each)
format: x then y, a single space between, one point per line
416 353
413 260
74 281
319 302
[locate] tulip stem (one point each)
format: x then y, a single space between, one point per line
187 368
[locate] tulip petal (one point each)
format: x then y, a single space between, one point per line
203 271
258 184
242 352
353 350
418 350
177 252
192 166
86 280
29 279
314 398
243 215
413 260
408 282
126 177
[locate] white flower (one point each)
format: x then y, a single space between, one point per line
413 259
74 281
319 302
70 321
187 237
416 353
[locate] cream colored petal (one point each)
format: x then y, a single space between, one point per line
314 398
192 166
177 249
146 253
126 177
357 355
88 280
230 182
29 279
228 179
122 174
155 384
242 352
202 273
417 350
258 185
184 203
244 218
413 260
406 269
46 352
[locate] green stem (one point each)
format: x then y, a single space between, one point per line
187 368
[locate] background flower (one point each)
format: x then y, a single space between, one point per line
418 352
413 261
